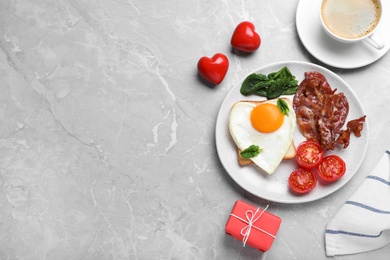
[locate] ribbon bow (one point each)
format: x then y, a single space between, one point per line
250 219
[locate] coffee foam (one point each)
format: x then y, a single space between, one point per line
350 18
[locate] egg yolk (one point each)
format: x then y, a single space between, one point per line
266 118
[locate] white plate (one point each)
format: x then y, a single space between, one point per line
275 187
331 52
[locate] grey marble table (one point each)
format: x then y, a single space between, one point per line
107 145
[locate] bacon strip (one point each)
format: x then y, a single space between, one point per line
321 113
355 126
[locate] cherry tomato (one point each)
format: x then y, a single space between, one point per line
245 38
331 168
302 180
309 154
213 69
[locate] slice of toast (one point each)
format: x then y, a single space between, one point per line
290 154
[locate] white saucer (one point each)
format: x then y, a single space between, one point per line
331 52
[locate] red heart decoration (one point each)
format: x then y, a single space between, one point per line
245 38
213 69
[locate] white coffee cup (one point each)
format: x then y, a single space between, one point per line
351 21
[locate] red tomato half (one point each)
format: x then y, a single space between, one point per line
331 168
302 180
309 154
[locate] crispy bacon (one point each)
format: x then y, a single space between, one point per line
321 112
344 138
356 126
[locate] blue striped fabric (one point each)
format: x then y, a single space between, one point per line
363 222
367 207
351 233
378 179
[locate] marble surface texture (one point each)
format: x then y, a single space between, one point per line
107 144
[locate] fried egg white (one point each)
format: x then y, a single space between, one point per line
266 127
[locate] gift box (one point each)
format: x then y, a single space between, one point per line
253 226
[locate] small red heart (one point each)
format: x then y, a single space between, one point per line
213 69
245 38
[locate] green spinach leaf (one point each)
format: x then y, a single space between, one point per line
271 86
283 107
251 151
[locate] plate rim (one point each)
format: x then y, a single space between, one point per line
299 199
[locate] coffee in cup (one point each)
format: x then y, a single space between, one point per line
351 20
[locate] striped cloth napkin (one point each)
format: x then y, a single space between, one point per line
363 223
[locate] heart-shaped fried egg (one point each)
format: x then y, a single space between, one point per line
263 124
